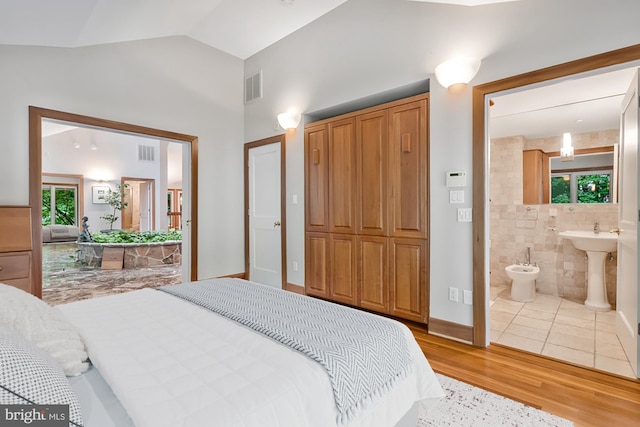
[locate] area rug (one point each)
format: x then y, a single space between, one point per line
467 406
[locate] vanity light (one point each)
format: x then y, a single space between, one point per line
289 120
457 71
566 152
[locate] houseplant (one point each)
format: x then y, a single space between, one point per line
115 199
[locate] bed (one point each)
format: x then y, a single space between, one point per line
161 358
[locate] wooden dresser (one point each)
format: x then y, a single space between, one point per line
16 251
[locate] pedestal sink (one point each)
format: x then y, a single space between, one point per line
597 246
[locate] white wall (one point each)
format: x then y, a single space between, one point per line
173 84
369 46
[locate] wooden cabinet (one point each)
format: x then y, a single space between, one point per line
535 177
367 174
16 258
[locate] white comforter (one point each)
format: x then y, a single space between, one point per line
172 363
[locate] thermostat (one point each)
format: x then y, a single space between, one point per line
456 179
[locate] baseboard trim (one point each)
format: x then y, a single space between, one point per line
294 288
451 330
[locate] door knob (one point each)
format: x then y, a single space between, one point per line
276 224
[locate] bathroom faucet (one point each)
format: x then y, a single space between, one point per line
596 227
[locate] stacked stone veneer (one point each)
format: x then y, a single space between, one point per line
135 254
514 226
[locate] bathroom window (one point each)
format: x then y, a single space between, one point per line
581 187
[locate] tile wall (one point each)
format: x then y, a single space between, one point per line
514 226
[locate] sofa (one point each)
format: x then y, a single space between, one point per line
59 233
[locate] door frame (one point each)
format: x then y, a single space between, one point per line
278 139
151 181
481 170
36 115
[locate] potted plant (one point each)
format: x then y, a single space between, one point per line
115 199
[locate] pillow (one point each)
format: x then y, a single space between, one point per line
30 376
44 326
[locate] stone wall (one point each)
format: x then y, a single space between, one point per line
135 254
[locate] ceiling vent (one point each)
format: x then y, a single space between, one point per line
146 153
253 87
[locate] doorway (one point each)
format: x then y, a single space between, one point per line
265 204
189 190
481 96
140 213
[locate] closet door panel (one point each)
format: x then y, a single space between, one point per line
316 266
373 273
342 176
316 165
372 132
408 160
343 268
408 279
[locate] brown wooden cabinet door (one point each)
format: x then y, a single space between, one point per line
408 278
535 177
316 169
316 265
342 268
373 273
408 160
342 176
372 132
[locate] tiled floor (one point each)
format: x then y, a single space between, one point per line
558 328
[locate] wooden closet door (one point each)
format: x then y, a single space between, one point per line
408 160
372 132
408 278
316 170
342 268
342 176
316 264
373 273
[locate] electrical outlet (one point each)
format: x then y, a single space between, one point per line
295 265
453 294
467 297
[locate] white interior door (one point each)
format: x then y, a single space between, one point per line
186 212
628 301
145 206
265 244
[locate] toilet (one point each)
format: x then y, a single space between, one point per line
523 285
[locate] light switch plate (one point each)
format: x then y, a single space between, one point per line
456 196
464 214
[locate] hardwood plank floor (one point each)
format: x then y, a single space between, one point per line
585 396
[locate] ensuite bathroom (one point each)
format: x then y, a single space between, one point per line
545 311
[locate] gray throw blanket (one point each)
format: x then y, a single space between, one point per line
363 354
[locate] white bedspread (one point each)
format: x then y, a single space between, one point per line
171 363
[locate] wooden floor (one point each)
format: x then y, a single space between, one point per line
585 396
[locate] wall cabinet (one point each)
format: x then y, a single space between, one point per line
366 207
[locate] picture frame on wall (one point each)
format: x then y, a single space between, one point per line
99 193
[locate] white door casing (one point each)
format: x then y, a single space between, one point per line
264 210
628 299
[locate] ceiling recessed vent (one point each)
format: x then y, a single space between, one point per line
146 153
253 87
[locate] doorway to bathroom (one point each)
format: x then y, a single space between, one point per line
555 324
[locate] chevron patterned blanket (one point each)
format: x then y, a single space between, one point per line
364 355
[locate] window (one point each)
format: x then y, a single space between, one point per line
581 187
59 204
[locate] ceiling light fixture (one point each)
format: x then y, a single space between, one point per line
76 144
457 71
94 146
289 120
566 151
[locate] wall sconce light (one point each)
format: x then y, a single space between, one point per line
566 151
457 71
289 120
